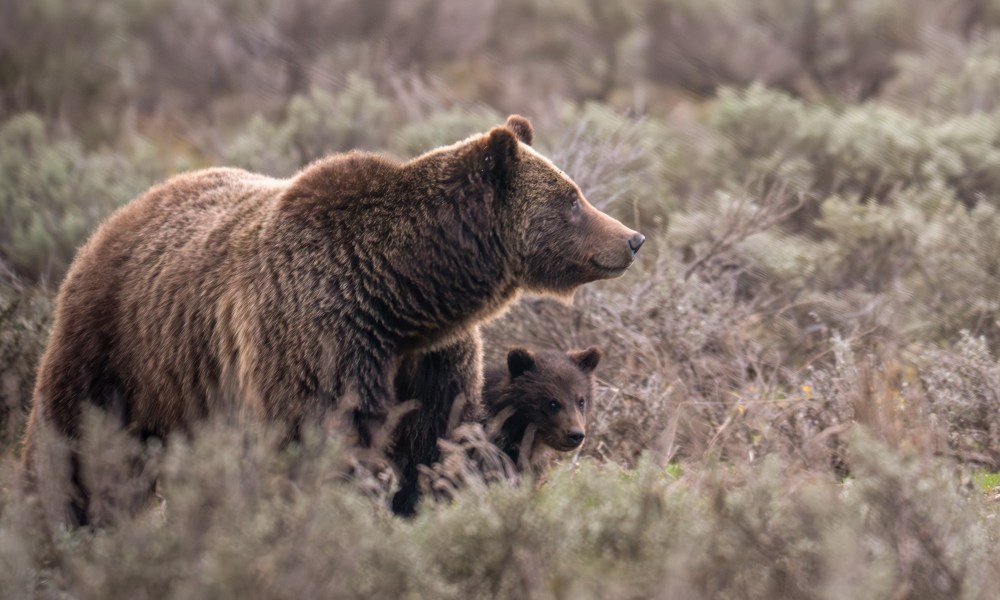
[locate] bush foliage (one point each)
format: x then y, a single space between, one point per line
52 195
238 516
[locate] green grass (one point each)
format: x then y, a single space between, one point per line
987 482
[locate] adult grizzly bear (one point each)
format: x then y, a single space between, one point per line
351 279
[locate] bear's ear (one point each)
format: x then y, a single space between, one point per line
491 157
587 359
501 149
519 362
522 128
487 162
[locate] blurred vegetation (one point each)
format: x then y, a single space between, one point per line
239 517
799 388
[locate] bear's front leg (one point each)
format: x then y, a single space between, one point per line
435 379
373 385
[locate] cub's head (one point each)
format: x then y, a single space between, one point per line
554 391
557 239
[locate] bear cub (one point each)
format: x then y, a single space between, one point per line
551 390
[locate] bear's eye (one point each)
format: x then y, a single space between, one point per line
581 403
575 205
553 405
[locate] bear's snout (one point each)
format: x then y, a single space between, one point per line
635 242
575 438
618 244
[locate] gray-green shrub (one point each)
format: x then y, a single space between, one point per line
53 194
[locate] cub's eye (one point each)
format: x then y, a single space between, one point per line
581 403
553 406
575 205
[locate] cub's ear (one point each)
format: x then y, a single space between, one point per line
587 359
522 128
519 362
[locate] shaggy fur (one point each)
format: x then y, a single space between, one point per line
536 401
226 290
550 390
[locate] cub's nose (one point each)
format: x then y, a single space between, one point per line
575 438
635 242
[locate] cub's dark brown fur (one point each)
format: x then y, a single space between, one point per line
361 277
553 391
538 400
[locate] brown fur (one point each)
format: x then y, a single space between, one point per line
518 422
551 391
226 290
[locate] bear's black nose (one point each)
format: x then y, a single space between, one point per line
575 438
635 242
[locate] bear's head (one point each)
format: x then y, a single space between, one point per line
557 239
553 391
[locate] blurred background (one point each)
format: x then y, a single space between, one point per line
819 182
